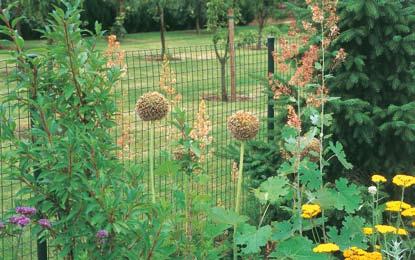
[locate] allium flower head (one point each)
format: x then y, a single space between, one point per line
44 223
152 106
372 190
27 211
243 125
326 248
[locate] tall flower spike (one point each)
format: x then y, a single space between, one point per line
152 106
243 125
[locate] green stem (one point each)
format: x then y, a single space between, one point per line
19 238
238 197
153 192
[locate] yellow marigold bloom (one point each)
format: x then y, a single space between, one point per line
402 232
367 230
385 229
403 180
378 178
413 224
326 248
373 256
354 253
396 206
408 212
310 210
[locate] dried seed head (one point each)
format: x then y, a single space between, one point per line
243 125
152 106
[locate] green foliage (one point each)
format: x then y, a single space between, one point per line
252 239
296 247
374 119
350 233
67 162
273 190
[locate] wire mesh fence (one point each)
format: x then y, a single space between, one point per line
198 75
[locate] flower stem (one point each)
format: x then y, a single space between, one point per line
153 192
238 197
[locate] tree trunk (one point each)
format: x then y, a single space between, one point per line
231 41
197 24
261 23
162 30
223 80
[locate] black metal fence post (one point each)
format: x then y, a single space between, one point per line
270 110
42 247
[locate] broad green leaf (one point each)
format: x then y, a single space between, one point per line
273 189
347 196
221 215
252 238
310 175
296 248
337 149
282 230
350 233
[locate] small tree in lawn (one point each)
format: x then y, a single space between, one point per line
196 8
217 19
263 10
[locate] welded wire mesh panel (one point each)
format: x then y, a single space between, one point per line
198 75
8 188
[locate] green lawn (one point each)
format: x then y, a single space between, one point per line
150 40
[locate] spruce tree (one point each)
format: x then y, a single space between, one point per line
375 117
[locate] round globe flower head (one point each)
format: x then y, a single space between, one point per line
26 211
326 248
372 190
44 223
404 181
396 206
384 229
152 106
376 178
367 230
243 125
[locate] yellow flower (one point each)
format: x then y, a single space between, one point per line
403 180
373 256
396 206
408 212
310 210
355 253
413 223
385 229
377 247
378 178
326 248
367 230
402 231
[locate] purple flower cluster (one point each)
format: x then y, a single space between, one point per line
26 211
2 226
19 220
101 234
44 223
